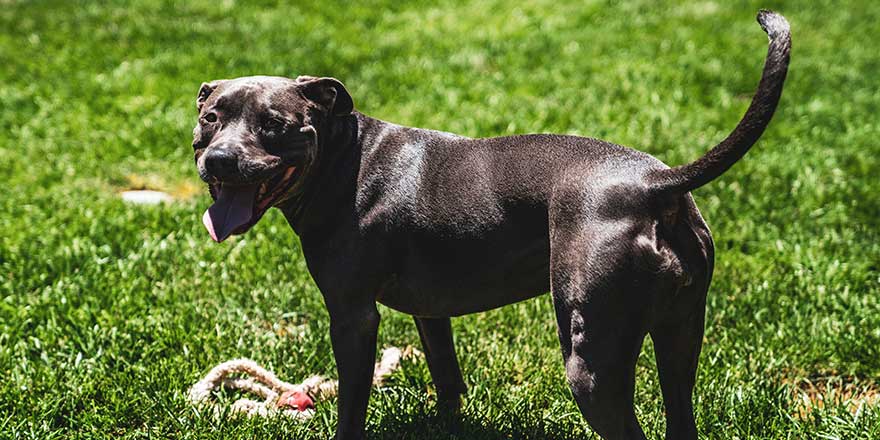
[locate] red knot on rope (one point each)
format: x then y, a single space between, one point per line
280 397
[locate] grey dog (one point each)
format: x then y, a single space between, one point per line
437 225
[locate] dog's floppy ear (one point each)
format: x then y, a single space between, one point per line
327 92
205 91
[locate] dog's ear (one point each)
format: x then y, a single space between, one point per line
328 93
205 91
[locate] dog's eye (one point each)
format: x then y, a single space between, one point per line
274 124
210 117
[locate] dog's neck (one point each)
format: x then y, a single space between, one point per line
332 180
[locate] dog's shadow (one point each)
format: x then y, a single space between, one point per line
429 425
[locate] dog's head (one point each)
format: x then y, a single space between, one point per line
256 140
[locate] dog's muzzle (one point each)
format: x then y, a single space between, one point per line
237 208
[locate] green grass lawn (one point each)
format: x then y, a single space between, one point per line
109 312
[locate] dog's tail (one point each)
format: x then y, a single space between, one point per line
684 178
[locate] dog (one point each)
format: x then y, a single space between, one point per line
438 225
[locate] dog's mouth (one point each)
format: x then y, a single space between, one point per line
237 208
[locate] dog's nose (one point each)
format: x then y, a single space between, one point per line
221 163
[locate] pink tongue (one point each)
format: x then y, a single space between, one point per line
234 207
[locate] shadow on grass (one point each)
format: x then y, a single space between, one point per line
435 427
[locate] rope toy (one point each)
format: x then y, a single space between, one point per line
279 397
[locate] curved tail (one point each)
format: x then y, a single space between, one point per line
688 177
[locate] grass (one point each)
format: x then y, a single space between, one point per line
108 312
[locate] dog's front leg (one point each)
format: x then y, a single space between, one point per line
353 335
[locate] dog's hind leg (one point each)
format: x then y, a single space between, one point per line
678 330
601 324
436 336
600 348
677 348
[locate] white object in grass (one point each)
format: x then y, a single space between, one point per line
146 197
